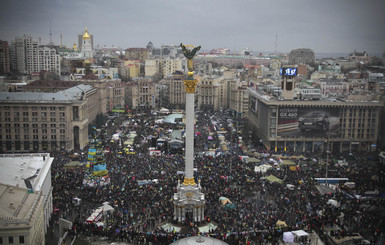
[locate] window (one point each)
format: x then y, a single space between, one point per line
44 131
8 137
62 125
34 125
26 130
10 239
34 114
43 108
25 125
8 130
21 239
35 131
53 137
17 130
25 113
61 108
34 108
17 125
7 125
35 136
53 125
53 131
16 108
53 119
62 114
62 131
62 137
52 108
43 114
52 114
44 125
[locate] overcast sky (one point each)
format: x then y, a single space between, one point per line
335 26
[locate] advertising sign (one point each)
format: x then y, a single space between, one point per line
308 122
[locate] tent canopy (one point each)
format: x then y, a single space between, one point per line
288 237
252 160
300 233
288 163
272 178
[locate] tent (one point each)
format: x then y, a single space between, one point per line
288 237
224 200
280 224
288 163
262 168
72 164
107 208
300 233
252 160
272 178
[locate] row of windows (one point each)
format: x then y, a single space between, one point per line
34 108
35 125
35 137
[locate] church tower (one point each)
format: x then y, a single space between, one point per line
86 48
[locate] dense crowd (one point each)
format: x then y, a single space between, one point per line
260 204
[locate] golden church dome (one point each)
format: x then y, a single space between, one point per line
86 35
74 47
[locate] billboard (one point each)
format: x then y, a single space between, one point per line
314 122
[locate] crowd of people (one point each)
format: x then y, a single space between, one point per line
139 210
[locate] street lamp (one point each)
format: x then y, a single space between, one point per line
327 162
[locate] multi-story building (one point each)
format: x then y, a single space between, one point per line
239 98
129 69
176 96
212 93
163 66
314 126
34 122
137 54
141 94
27 57
5 67
301 56
26 198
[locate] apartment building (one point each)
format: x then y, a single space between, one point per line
28 57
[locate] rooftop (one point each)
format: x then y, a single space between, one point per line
67 95
18 167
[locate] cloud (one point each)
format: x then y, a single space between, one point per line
325 26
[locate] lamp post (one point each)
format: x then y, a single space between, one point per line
327 162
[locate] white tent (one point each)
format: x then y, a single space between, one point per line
288 237
107 208
334 203
300 233
262 168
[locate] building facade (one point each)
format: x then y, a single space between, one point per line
312 126
28 57
141 94
34 122
5 66
301 56
137 54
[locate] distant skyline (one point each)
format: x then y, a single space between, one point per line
327 26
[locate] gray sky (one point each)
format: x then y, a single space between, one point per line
336 26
